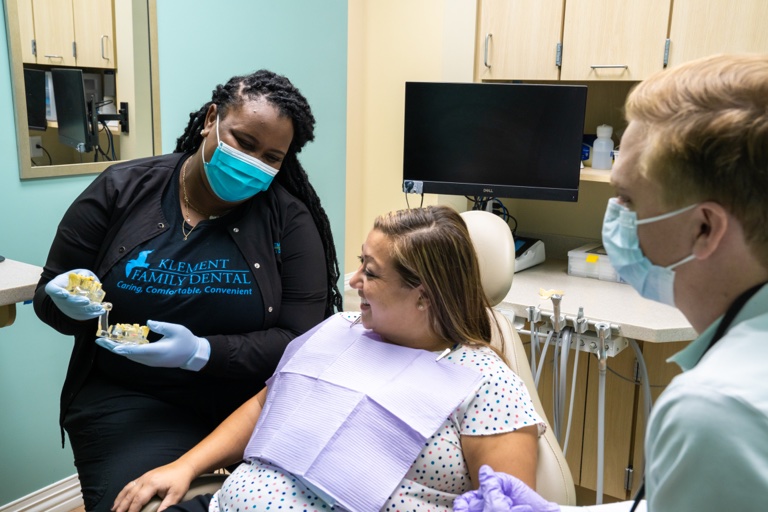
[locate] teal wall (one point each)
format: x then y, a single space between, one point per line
305 40
201 44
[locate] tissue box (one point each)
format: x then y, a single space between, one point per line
591 260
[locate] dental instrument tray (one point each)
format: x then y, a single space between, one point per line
591 260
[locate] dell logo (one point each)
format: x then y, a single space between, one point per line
488 190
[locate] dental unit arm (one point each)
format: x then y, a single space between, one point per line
580 334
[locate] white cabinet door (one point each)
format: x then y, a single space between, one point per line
517 39
94 33
26 31
614 39
54 32
705 27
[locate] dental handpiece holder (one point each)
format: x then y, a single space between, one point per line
578 333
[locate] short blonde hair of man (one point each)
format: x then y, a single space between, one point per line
431 247
706 123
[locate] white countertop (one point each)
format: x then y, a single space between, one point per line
604 301
17 281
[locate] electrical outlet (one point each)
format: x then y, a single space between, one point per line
35 147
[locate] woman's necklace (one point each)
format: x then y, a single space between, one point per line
186 202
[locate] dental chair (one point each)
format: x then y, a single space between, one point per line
495 249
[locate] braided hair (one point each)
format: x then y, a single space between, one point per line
284 96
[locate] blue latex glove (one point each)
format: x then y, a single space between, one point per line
500 492
178 348
74 306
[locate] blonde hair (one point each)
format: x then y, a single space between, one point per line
706 123
431 247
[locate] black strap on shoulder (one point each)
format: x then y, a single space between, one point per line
730 314
733 310
639 496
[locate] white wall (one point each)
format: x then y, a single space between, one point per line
392 42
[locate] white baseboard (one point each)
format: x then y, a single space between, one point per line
61 496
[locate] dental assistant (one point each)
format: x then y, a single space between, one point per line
688 228
222 248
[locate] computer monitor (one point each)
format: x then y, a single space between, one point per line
72 109
506 140
34 86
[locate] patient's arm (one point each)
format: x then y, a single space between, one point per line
222 447
515 453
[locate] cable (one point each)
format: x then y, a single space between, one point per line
514 229
600 430
407 204
647 400
110 141
50 160
107 133
541 360
481 203
563 375
556 350
573 393
633 381
534 346
603 332
102 153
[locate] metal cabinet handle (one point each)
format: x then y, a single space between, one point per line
606 66
103 54
485 50
53 56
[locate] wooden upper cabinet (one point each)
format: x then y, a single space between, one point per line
705 27
614 40
518 39
26 31
54 32
94 33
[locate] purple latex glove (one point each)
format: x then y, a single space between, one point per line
500 492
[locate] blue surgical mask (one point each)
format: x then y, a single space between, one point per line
233 175
623 247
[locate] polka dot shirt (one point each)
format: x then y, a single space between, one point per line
500 403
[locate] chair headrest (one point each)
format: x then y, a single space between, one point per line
495 249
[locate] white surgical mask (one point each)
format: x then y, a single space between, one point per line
623 247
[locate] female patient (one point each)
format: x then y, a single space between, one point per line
396 408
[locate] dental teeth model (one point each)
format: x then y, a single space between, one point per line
87 286
128 333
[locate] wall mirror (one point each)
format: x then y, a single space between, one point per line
102 54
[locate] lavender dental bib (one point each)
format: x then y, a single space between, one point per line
348 413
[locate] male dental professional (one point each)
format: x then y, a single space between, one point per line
689 227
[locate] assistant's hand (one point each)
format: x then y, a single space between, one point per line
169 482
178 348
501 492
74 306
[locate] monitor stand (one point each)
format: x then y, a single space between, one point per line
528 252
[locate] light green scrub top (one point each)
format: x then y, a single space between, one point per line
707 438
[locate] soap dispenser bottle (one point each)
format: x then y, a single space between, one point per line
602 147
